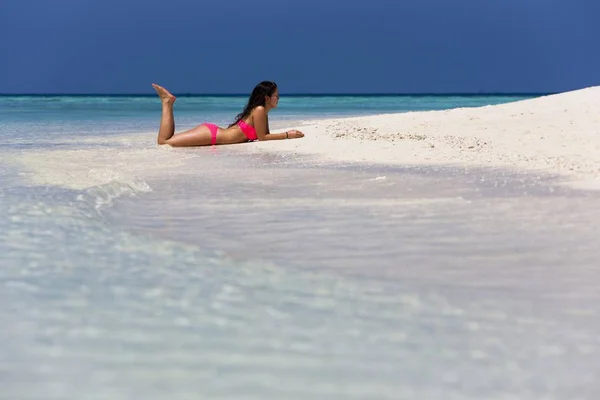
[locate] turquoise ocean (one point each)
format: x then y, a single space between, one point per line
133 271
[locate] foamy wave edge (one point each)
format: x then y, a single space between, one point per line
99 197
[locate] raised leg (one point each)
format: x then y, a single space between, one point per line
167 121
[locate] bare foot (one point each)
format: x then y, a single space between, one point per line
165 95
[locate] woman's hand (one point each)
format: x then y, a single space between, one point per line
294 134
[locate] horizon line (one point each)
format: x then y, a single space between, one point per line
323 94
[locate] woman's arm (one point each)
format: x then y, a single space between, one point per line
261 125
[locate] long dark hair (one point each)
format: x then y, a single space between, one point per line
257 98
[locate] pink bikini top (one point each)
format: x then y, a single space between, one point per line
248 130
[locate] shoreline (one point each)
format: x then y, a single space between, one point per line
557 134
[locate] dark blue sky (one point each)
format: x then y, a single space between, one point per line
308 46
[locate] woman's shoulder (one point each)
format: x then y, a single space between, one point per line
258 110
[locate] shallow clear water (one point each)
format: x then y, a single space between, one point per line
135 271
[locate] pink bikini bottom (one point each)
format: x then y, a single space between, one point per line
213 132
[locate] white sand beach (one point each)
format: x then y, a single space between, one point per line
558 134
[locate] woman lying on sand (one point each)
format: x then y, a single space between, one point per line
251 124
